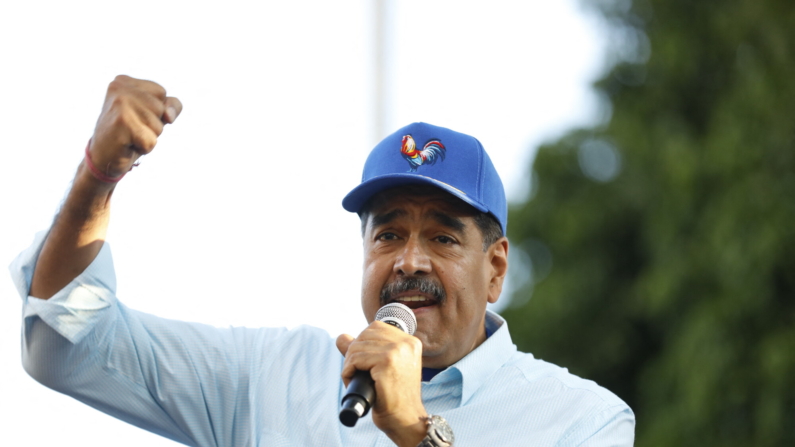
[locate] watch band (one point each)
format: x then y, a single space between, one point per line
439 433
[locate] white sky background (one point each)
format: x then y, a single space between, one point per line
235 219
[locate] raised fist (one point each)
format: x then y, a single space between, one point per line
132 118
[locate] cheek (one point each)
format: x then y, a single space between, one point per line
471 284
374 277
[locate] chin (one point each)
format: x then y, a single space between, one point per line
429 351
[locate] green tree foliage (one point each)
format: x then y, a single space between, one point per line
662 243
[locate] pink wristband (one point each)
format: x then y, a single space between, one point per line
98 174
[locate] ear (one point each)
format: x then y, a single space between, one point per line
498 255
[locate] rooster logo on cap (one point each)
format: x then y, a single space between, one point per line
433 150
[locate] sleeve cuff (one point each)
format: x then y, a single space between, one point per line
74 310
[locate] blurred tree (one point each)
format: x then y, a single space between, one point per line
659 248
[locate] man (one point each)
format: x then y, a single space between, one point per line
433 217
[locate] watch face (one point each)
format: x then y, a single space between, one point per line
441 431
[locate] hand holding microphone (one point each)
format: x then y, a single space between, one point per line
394 361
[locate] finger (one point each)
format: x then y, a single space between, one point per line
137 101
343 342
378 330
142 85
362 355
347 371
358 361
150 102
143 138
150 87
347 374
151 120
173 109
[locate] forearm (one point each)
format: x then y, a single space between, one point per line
132 118
76 236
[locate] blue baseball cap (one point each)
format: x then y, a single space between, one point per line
422 153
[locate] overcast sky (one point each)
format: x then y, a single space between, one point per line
235 218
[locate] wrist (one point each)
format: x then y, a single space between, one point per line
105 174
439 433
88 200
89 187
411 433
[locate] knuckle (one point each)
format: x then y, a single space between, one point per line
119 101
350 358
156 89
149 144
145 141
392 357
124 119
147 147
354 362
158 108
358 356
157 127
118 83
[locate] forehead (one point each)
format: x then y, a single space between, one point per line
430 199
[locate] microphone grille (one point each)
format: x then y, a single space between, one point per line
394 313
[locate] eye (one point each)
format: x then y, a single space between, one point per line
386 237
445 239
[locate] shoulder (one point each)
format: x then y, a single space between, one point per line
295 342
527 401
542 378
584 412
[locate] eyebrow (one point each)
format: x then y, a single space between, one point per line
448 221
443 219
383 219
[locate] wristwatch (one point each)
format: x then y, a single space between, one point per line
439 433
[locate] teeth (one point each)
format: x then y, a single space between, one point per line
412 298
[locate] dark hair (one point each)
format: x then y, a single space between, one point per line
490 229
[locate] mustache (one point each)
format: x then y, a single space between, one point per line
422 284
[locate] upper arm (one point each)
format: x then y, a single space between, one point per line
186 381
612 427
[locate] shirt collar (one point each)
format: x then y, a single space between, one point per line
477 366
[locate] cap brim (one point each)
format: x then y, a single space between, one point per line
355 199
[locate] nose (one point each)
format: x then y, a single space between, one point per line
413 259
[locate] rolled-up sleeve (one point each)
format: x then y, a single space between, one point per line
77 308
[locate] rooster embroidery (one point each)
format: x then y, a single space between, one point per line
434 149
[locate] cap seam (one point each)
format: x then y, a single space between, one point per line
481 171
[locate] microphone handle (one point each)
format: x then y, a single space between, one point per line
358 399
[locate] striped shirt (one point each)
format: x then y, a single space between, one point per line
204 386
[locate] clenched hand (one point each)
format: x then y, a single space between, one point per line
132 118
394 360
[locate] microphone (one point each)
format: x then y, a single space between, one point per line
360 395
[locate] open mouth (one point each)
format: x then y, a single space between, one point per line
415 301
415 292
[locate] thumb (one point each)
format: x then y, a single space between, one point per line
343 341
173 109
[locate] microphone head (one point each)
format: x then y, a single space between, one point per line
398 315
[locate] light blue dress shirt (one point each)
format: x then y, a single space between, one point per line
204 386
